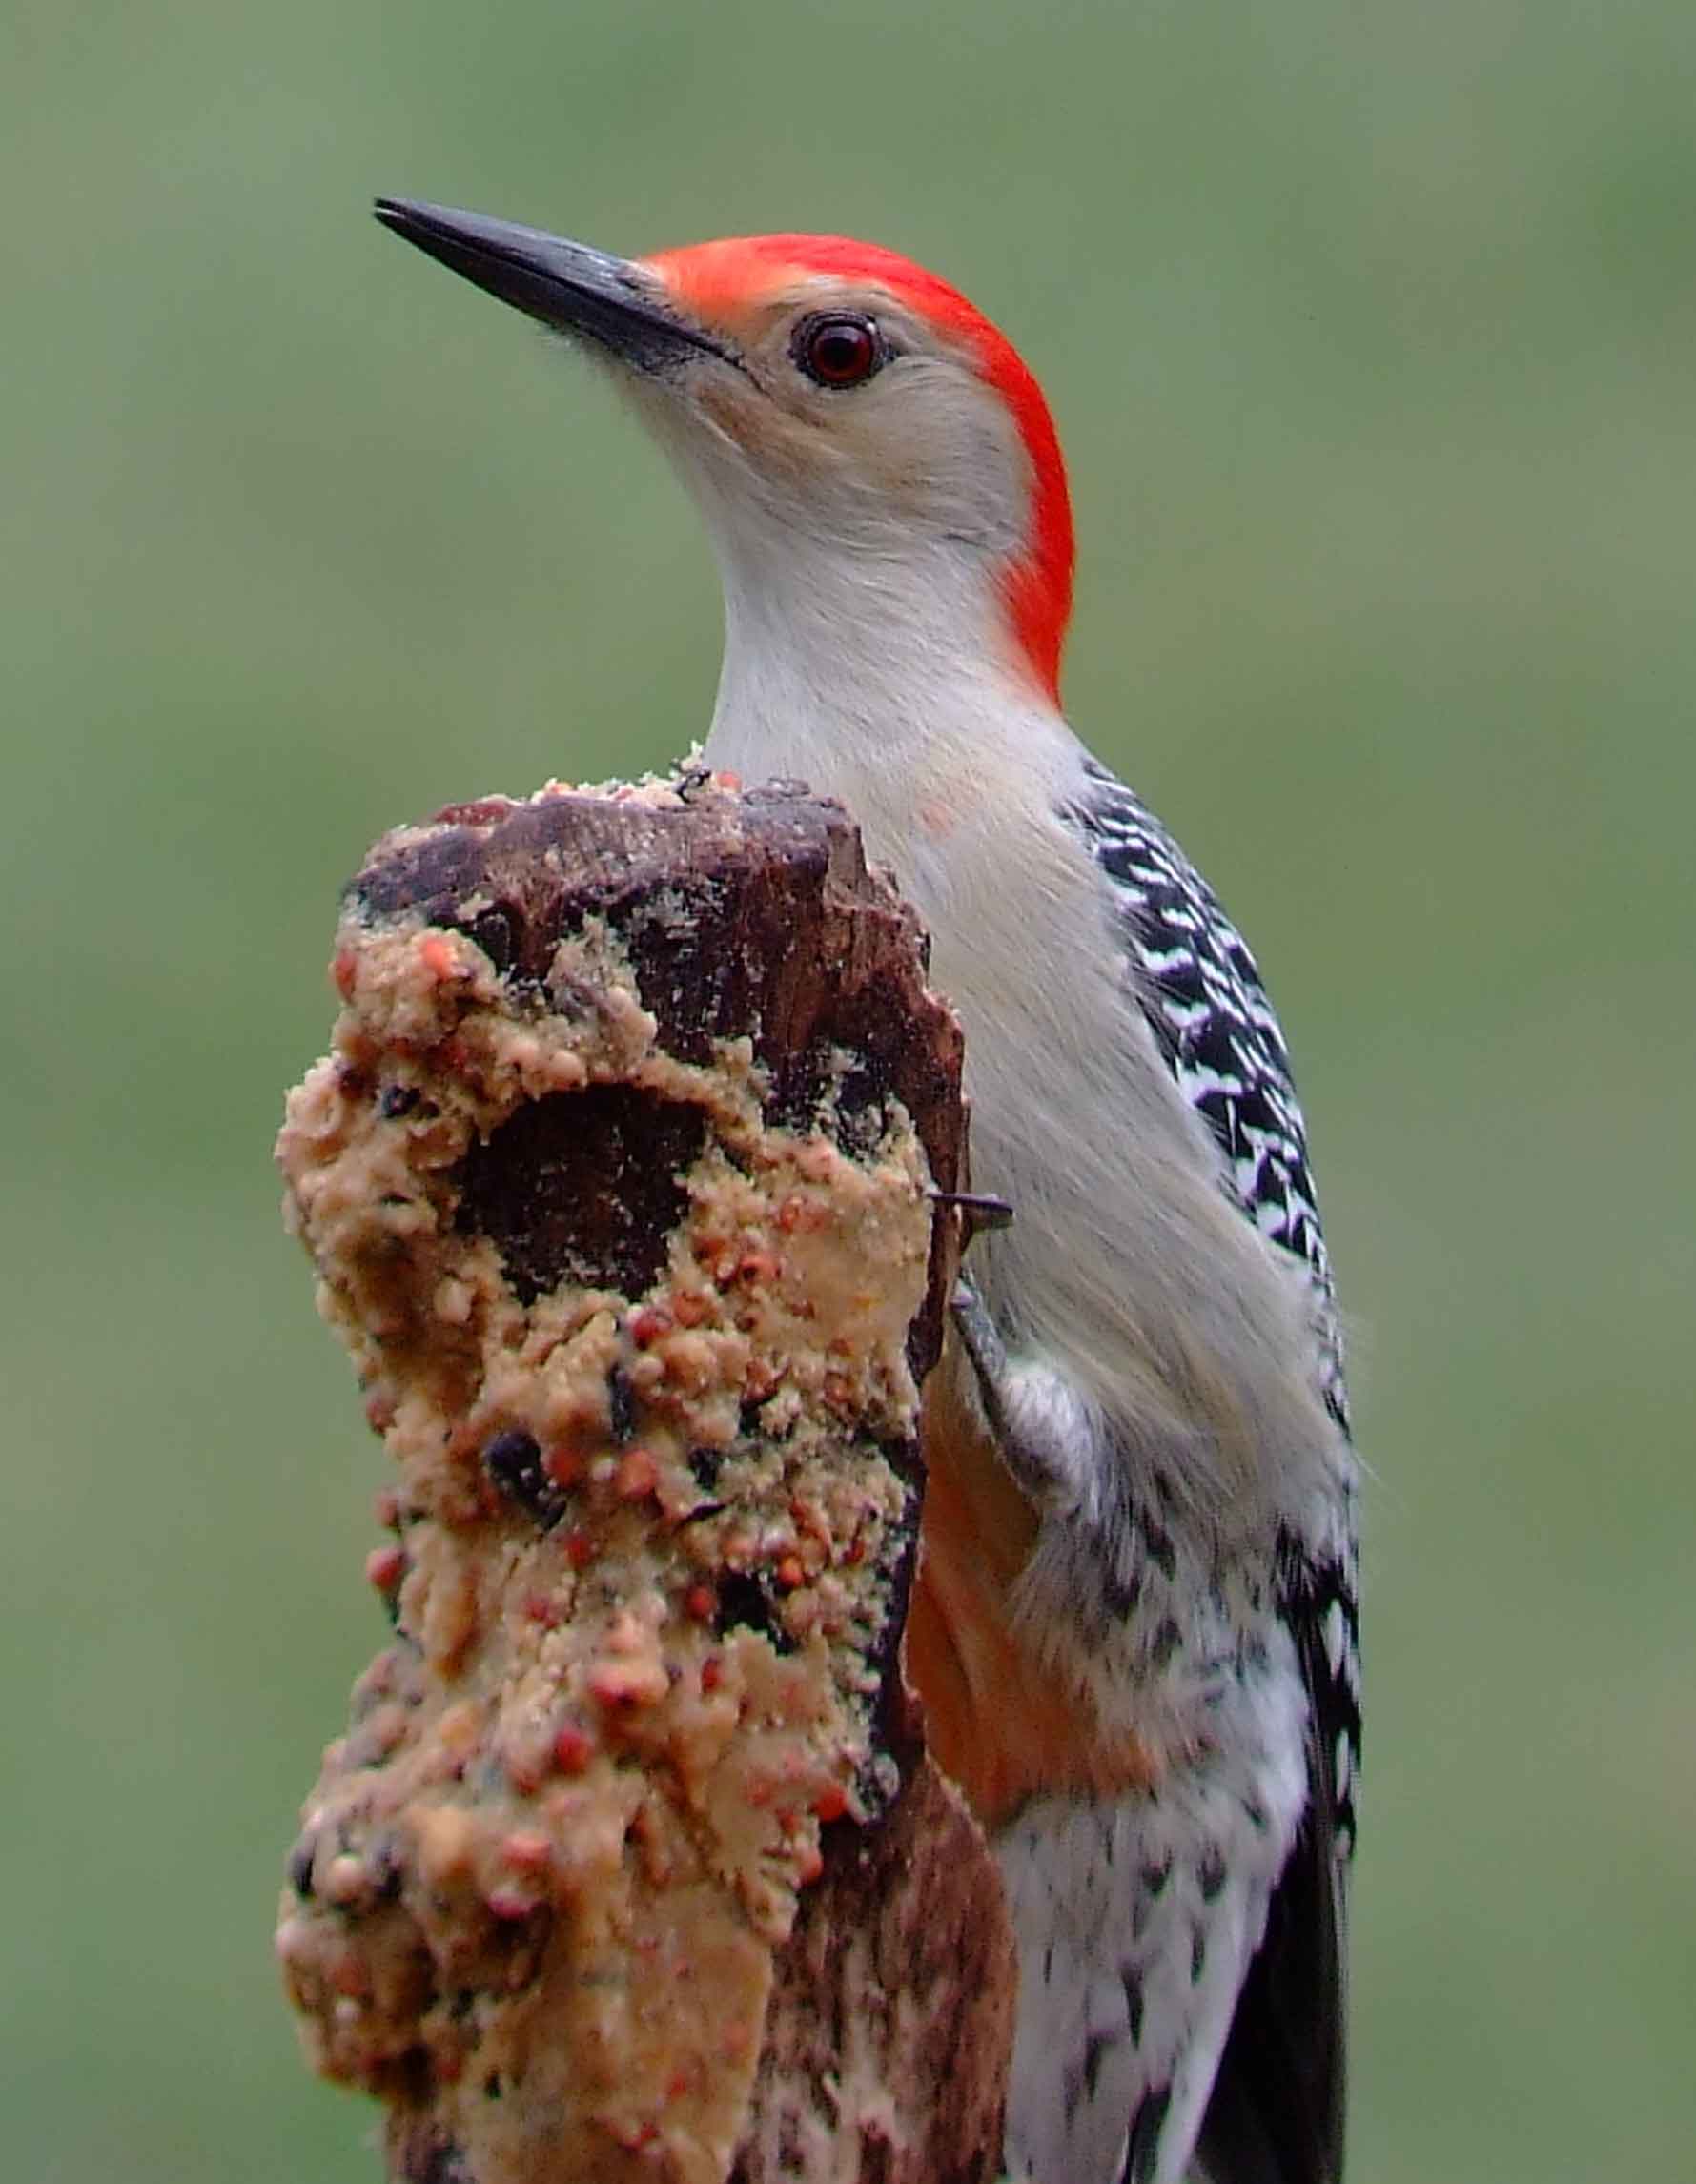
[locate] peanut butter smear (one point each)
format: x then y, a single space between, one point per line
639 1571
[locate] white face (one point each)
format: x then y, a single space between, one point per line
840 415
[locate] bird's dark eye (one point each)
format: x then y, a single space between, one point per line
839 351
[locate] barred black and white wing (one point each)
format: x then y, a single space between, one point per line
1275 2113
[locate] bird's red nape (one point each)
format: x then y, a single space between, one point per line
717 280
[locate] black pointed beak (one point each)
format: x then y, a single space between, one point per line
565 285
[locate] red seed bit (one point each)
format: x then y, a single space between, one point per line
647 1323
542 1608
638 1474
688 1307
357 1049
831 1803
564 1466
528 1850
509 1903
480 811
344 968
573 1748
379 1410
758 1267
700 1602
437 955
579 1549
789 1572
809 1864
809 1519
385 1567
621 1683
713 1672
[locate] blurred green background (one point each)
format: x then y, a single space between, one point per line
1370 329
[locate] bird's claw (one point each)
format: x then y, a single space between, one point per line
981 1341
1032 1412
979 1211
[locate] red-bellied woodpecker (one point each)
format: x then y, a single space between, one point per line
1134 1623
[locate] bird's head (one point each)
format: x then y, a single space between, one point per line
823 398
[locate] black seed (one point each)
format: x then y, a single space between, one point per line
300 1859
1096 2050
397 1100
705 1464
513 1460
1210 1877
1197 1954
1155 1877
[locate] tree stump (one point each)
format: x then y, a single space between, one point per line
619 1187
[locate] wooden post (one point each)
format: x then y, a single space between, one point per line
617 1182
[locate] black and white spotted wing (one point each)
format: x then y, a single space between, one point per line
1200 992
1277 2108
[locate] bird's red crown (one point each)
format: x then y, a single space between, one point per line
720 279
